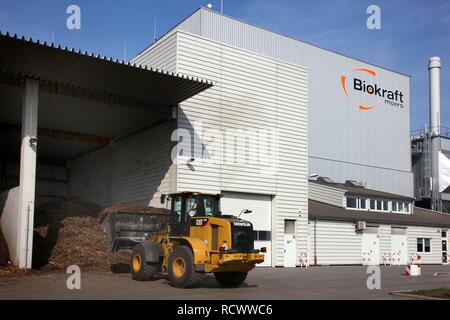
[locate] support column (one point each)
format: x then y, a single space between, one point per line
28 172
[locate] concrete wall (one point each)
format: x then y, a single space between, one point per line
9 206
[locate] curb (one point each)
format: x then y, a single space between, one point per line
406 294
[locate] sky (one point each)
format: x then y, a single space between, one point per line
411 31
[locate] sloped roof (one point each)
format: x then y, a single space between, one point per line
45 61
361 191
419 217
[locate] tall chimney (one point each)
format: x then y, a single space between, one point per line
434 67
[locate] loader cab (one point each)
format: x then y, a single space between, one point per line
186 205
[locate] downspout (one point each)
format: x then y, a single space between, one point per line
315 241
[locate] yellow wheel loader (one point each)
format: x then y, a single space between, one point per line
194 238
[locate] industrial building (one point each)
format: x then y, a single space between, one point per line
221 106
431 152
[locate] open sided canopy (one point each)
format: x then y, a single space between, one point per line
25 58
84 99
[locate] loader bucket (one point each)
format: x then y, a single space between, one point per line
125 228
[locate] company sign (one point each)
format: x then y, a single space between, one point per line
364 91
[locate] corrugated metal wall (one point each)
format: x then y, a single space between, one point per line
51 179
136 169
435 256
344 142
339 243
326 194
445 144
133 170
252 92
161 55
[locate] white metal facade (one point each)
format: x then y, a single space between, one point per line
338 243
344 142
326 194
252 93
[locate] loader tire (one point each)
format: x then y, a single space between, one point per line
141 270
230 279
181 271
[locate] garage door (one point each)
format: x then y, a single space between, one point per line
261 216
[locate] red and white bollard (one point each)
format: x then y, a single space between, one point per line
412 269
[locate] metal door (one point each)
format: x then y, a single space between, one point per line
370 246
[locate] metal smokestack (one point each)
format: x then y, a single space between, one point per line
434 67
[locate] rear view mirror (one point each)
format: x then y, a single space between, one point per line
245 211
163 198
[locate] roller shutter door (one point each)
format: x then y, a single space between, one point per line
261 216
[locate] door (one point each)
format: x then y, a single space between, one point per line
370 246
178 223
399 246
232 203
290 256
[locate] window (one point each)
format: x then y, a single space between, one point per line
395 206
356 203
401 207
201 206
423 245
363 203
444 234
177 209
352 203
379 205
261 235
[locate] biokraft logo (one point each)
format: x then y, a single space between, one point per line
361 87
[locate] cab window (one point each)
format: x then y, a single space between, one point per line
201 206
177 209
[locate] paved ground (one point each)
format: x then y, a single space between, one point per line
263 283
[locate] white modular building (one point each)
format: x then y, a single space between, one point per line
350 225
